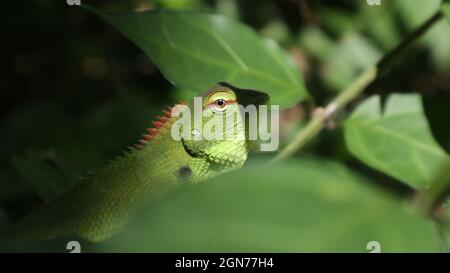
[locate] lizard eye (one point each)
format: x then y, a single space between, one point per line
221 103
220 100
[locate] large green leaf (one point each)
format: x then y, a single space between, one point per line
396 141
195 50
300 206
446 9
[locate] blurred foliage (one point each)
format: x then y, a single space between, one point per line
74 92
291 207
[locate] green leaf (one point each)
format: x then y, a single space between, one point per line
396 141
299 206
179 4
416 14
444 215
446 9
343 61
43 175
438 192
437 39
195 50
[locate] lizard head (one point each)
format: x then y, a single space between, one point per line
223 140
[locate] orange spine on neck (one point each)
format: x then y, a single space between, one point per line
161 123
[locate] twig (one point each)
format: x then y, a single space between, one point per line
432 198
356 87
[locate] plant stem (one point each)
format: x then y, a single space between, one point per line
432 198
316 124
354 89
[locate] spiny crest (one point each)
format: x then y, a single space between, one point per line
160 123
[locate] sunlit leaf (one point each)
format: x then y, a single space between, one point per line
396 140
195 50
446 9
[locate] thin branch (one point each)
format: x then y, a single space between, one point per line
319 121
432 198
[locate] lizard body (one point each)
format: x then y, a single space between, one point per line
99 206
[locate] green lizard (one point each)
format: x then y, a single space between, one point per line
101 204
